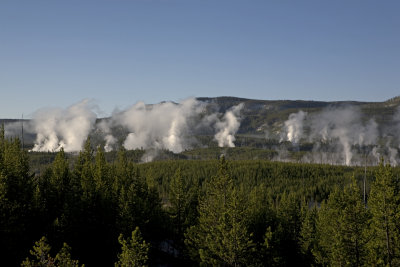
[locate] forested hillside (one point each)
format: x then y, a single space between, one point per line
256 118
101 209
341 133
272 113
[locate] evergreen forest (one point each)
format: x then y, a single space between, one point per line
104 209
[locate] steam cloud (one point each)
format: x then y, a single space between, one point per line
63 128
165 125
168 125
161 126
294 126
338 135
338 128
343 126
228 127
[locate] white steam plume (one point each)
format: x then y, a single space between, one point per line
110 141
160 126
393 153
376 154
109 138
228 127
63 128
294 126
345 127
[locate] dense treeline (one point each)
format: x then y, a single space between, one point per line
260 213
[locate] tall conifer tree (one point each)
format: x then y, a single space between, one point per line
221 237
384 204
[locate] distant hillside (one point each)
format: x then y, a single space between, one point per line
259 115
262 123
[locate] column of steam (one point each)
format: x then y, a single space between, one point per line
365 176
228 127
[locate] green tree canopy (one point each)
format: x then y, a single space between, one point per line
342 229
134 250
384 203
221 237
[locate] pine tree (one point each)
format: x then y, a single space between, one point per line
83 172
181 197
137 204
288 232
134 250
42 258
101 174
63 257
58 185
121 170
308 240
221 237
342 229
281 239
60 172
384 203
41 254
16 198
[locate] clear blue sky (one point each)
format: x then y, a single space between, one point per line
118 52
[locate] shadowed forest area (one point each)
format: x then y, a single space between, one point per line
102 210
